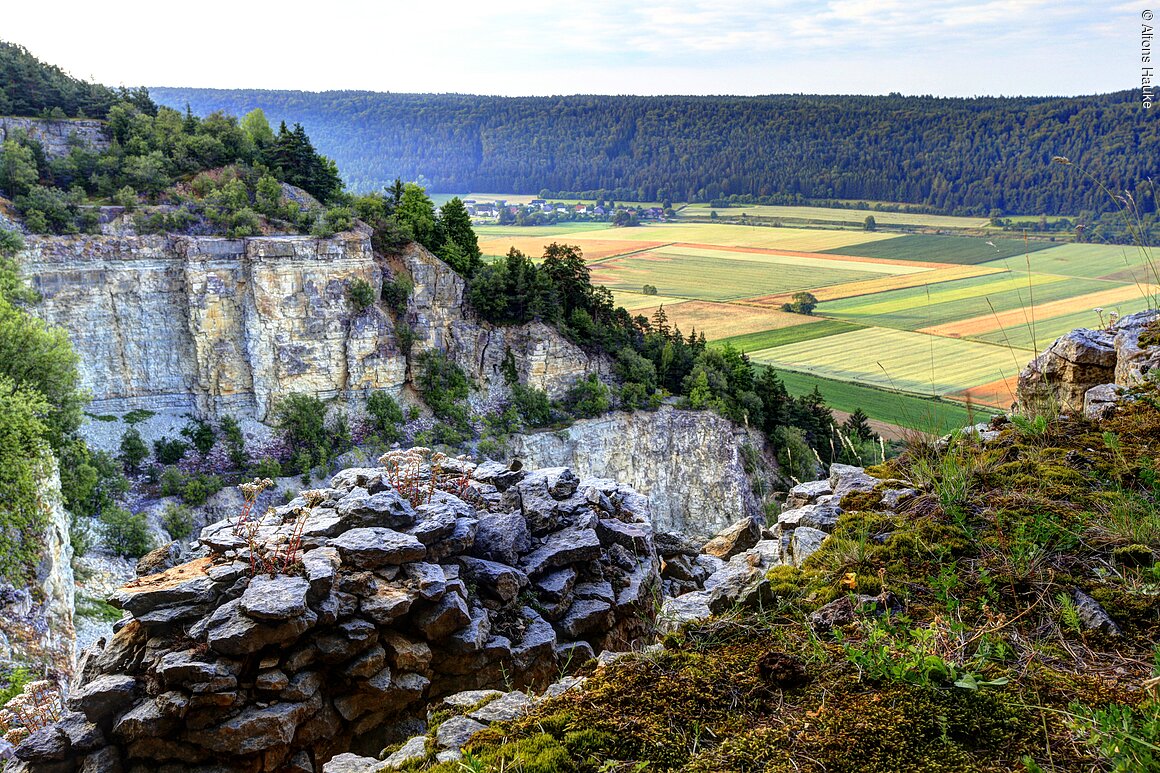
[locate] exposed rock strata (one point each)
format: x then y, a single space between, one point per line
393 605
690 464
210 324
56 136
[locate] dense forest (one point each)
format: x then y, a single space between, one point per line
960 156
31 87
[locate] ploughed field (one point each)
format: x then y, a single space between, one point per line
944 320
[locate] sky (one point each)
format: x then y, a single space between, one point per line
511 47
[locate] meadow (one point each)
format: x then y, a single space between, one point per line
944 249
835 217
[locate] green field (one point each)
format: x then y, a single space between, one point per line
828 215
686 275
1124 263
919 307
895 359
964 250
1036 337
752 342
936 417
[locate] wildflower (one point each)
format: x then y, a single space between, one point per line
1061 160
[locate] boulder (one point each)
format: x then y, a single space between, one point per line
734 539
369 547
1057 379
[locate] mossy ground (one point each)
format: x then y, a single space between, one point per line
987 667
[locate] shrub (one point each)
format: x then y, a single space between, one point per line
172 482
198 488
443 385
133 449
169 450
302 418
588 397
126 534
532 405
178 521
360 293
21 447
267 467
386 416
200 433
396 292
235 442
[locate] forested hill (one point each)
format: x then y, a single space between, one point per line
965 156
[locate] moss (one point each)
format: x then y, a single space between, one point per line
1150 335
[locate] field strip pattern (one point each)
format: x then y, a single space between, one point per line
996 394
795 258
988 323
832 256
877 285
724 320
714 278
767 339
723 235
1090 261
896 359
635 302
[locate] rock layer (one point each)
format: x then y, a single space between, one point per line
691 464
209 324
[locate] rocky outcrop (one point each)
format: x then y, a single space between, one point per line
36 623
1085 371
244 659
56 136
214 325
691 465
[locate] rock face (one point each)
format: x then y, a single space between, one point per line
1081 361
56 136
211 324
40 630
382 610
690 464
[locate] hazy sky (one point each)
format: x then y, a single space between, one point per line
945 47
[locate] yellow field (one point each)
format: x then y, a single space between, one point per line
882 284
816 260
722 320
988 323
803 239
635 301
896 359
823 214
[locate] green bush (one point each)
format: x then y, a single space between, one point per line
361 294
532 405
198 488
126 534
178 521
588 397
444 386
302 419
22 520
133 449
235 442
169 450
386 416
396 292
200 433
172 482
268 468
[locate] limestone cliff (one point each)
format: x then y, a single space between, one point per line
211 324
690 464
56 136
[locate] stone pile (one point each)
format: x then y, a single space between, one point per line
495 577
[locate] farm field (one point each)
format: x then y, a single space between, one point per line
854 217
894 359
1106 261
936 319
945 249
933 308
767 339
935 417
718 278
728 320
